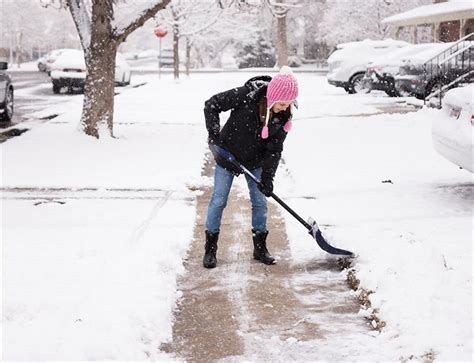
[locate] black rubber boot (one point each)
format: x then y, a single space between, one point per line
210 260
260 251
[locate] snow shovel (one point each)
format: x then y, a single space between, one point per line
311 225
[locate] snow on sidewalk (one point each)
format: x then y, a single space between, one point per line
94 232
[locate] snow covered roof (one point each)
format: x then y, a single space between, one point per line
433 13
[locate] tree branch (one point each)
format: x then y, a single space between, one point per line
121 34
82 19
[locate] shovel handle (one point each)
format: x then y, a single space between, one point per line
229 157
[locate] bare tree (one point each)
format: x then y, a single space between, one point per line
101 31
188 18
280 9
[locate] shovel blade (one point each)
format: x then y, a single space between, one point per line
315 232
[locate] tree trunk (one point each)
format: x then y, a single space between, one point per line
98 106
176 52
188 55
19 49
282 45
100 42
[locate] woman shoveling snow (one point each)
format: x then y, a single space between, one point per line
254 133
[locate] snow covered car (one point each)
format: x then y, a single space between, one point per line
44 63
69 70
41 63
452 130
348 63
6 92
413 80
381 71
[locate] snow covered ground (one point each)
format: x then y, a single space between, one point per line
94 232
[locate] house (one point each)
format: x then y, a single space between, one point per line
450 20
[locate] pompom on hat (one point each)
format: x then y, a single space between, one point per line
282 88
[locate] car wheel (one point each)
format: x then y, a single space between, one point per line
7 114
356 84
56 88
392 92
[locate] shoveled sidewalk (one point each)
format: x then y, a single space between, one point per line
245 310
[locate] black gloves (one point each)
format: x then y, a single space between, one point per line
213 141
266 184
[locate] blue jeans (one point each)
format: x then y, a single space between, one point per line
222 183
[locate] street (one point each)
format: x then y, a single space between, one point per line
33 93
34 96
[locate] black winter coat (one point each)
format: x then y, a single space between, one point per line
241 134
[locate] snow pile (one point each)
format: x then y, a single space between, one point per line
376 185
93 244
462 97
88 284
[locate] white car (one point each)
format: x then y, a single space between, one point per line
44 63
452 129
348 63
69 70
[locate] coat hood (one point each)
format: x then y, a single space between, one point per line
257 86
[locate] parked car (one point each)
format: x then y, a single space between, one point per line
381 71
452 130
348 63
41 63
123 73
69 70
44 63
6 92
414 80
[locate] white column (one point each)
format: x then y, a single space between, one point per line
436 32
462 28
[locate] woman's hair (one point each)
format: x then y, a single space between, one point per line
262 110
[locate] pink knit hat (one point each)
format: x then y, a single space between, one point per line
282 88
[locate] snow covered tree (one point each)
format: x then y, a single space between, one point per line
304 35
346 21
187 19
218 44
102 25
27 28
257 52
280 10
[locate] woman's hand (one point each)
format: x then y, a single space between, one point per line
266 185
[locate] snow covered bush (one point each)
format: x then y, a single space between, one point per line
257 52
